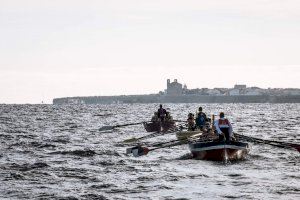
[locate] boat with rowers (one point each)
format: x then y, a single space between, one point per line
209 143
206 142
205 145
158 125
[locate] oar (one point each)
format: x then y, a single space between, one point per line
133 139
178 120
140 150
271 142
274 143
105 128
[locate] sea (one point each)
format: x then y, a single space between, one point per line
58 152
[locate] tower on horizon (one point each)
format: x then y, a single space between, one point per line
174 88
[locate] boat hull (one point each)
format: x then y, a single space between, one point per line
159 126
219 151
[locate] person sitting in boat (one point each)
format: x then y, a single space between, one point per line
191 122
169 117
154 117
224 128
201 119
162 113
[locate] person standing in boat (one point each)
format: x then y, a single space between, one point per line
201 119
161 113
224 128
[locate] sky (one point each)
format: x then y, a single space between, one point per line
60 48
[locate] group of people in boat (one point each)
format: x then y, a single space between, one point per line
162 115
200 122
222 126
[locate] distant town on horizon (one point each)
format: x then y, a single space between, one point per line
179 93
176 88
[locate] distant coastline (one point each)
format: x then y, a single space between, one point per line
178 93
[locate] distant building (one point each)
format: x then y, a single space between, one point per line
289 91
174 88
240 87
234 92
214 92
237 90
75 101
253 91
184 90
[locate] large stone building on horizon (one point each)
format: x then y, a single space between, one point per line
174 88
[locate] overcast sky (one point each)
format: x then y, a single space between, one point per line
58 48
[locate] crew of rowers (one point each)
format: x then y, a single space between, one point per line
222 127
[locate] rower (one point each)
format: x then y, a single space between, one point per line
191 122
154 117
201 119
168 117
161 113
224 128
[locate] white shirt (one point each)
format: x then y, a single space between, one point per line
218 127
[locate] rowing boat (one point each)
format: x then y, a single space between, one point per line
219 151
158 126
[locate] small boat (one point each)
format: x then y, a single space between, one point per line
158 126
219 151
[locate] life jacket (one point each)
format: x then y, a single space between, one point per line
224 123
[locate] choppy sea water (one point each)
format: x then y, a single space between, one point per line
58 152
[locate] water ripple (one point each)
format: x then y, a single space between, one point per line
57 152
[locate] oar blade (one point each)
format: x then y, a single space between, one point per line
140 151
137 151
130 140
106 128
129 150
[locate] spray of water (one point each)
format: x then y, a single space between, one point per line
226 159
